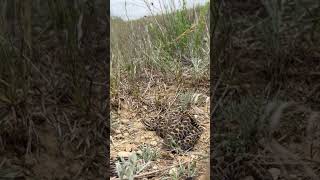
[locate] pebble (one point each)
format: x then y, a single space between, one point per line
275 172
125 121
173 171
126 134
124 154
154 143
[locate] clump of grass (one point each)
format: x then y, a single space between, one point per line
136 163
189 99
173 146
8 173
246 115
15 101
148 153
127 169
180 31
199 68
272 28
186 100
284 20
253 118
180 34
183 171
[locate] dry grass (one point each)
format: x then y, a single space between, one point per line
52 79
263 81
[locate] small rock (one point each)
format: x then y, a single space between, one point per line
124 154
173 171
126 134
154 143
129 147
125 121
117 131
139 152
275 172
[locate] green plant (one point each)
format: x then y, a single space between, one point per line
148 153
8 173
199 68
173 146
182 171
136 163
186 100
246 114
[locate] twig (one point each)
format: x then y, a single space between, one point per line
175 97
220 100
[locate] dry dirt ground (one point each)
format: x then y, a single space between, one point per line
128 132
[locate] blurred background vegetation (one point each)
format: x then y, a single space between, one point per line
265 69
53 78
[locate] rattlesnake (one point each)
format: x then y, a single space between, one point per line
181 128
